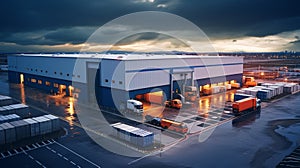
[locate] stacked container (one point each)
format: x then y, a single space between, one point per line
20 108
44 124
22 129
228 86
215 89
2 136
54 122
7 110
264 94
10 132
9 118
34 127
240 96
133 135
5 100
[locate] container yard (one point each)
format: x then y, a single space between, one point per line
14 129
268 91
24 128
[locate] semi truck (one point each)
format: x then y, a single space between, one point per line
134 106
246 105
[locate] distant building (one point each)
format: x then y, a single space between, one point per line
125 76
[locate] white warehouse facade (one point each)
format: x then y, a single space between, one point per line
115 78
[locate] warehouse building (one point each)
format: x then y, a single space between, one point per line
115 78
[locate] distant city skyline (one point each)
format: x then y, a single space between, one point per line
231 25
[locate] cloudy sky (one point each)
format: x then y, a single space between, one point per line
231 25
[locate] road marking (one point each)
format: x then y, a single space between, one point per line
16 151
77 154
31 157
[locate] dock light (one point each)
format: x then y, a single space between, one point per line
262 73
285 79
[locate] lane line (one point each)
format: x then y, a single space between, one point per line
77 154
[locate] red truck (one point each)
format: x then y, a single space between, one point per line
244 105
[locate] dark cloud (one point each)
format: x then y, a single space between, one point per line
148 36
59 21
74 35
154 38
296 42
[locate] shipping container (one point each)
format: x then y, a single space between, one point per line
264 95
228 86
287 89
10 132
9 118
240 91
5 100
44 124
272 91
244 105
54 122
2 136
133 135
215 89
34 127
7 110
239 96
22 129
20 108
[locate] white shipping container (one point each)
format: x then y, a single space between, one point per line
215 89
7 110
276 89
34 127
272 92
240 91
5 100
2 136
55 122
228 86
10 132
20 108
44 124
22 129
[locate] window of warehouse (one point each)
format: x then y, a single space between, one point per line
40 82
55 85
47 83
33 80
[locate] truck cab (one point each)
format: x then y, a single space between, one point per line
135 106
175 103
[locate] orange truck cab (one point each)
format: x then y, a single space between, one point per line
173 126
176 103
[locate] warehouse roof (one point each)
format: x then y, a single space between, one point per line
121 56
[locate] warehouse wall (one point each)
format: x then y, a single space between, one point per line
48 67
